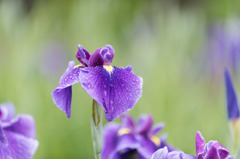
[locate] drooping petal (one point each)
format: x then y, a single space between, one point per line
232 102
83 55
24 125
18 147
62 95
7 111
109 140
145 123
200 143
127 121
116 89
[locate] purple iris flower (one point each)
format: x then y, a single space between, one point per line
17 136
211 150
232 102
132 140
116 89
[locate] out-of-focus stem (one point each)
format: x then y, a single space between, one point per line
236 132
96 127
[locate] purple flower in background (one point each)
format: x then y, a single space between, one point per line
17 136
132 140
116 89
232 102
223 49
211 150
164 154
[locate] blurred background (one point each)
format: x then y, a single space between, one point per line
179 47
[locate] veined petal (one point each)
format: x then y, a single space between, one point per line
18 147
7 111
24 125
62 95
232 102
116 89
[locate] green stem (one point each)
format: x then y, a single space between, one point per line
236 133
96 127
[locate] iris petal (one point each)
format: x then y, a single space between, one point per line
232 102
200 143
7 111
19 146
144 124
24 125
3 140
157 128
161 153
116 91
127 121
109 142
62 95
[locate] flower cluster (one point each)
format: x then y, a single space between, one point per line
117 90
17 135
127 139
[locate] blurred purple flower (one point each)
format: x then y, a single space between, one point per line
132 140
52 51
211 150
232 102
116 89
223 49
17 136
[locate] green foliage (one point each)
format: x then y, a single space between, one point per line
161 40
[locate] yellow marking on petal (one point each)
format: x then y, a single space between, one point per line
156 140
109 68
123 131
78 66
